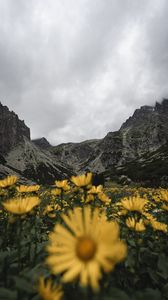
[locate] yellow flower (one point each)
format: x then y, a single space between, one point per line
52 215
89 245
104 198
50 208
82 180
136 225
163 194
56 192
149 217
8 181
48 291
159 226
62 184
27 189
134 204
21 206
165 207
89 198
156 198
95 189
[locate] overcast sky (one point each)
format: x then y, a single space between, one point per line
76 69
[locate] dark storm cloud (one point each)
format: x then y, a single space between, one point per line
74 70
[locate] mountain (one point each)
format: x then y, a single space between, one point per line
42 143
75 155
139 150
151 169
142 135
20 156
12 129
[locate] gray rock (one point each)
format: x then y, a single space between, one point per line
12 130
42 143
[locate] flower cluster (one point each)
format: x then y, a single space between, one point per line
88 231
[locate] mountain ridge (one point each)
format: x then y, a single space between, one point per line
143 133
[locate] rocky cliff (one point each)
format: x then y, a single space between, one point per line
12 130
20 156
75 155
138 149
144 132
36 164
42 143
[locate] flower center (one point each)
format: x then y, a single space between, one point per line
85 248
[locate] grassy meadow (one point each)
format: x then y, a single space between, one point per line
72 240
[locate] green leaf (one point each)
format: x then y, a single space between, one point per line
147 294
23 285
6 294
116 294
163 265
165 290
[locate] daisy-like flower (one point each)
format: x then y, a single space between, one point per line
159 226
8 181
135 225
149 217
48 291
163 195
82 180
21 206
27 188
164 207
51 208
89 198
56 192
88 245
62 184
95 189
104 198
134 204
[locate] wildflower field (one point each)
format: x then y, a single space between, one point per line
76 241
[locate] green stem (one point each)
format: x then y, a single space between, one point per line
35 240
19 238
85 194
5 273
61 199
137 251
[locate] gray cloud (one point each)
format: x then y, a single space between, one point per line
74 70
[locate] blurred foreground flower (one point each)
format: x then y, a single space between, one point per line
82 180
48 291
8 181
90 244
21 206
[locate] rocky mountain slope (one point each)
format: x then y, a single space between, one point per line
139 149
20 156
75 155
42 143
151 169
36 164
144 132
12 130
